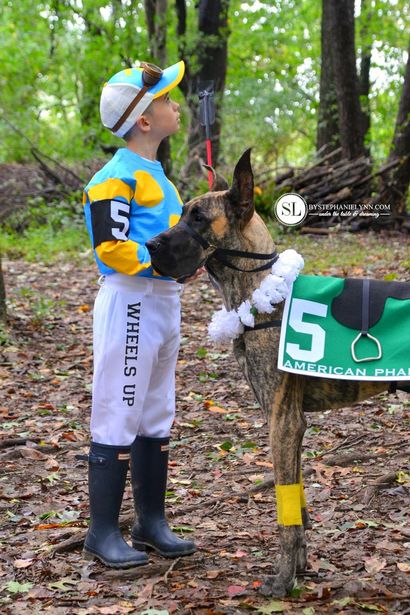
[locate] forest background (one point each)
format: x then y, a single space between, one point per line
321 92
265 58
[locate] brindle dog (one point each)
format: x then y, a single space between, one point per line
225 217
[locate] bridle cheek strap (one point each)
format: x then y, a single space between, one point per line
219 254
203 242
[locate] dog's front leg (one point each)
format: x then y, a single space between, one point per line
287 426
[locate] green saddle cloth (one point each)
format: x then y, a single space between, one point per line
352 329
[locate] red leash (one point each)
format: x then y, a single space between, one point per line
209 161
207 118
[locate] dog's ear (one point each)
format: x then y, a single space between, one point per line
218 181
241 192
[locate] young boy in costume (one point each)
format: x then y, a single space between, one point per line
136 321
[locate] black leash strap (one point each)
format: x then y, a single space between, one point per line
256 255
220 253
219 257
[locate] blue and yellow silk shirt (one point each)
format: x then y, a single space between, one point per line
126 203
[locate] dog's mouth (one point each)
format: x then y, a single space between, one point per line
172 258
158 270
179 277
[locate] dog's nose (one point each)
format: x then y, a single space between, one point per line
152 245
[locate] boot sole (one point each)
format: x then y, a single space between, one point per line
89 555
146 546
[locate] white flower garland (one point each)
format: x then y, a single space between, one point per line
228 325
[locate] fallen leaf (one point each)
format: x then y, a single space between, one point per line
239 553
236 590
217 409
374 564
32 453
66 584
272 607
403 566
386 545
213 574
69 435
22 563
366 606
14 587
51 464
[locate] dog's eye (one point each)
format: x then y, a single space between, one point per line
196 215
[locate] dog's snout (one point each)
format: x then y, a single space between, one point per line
152 245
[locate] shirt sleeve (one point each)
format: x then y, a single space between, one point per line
110 205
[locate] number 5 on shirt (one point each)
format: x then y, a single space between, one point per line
118 208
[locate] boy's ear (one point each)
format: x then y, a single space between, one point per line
143 123
218 181
241 192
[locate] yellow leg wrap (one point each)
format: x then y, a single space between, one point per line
302 492
288 504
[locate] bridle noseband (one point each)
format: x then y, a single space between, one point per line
219 254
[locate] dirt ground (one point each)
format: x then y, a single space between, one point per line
356 467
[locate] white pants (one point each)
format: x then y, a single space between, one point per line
136 343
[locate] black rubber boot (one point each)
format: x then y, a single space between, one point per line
149 469
107 471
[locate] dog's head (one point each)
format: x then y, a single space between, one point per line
218 217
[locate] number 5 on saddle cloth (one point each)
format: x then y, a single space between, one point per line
348 328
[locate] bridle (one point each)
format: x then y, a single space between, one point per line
220 254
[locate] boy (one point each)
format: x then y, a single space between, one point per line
136 321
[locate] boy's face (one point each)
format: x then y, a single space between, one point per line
164 116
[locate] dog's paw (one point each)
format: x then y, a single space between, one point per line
276 585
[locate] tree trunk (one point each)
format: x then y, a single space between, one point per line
364 77
364 89
212 48
396 184
3 312
341 19
156 18
327 137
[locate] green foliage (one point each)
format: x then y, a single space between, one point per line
55 59
14 587
41 307
56 215
46 231
42 244
56 56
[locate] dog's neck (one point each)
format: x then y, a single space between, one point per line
236 286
